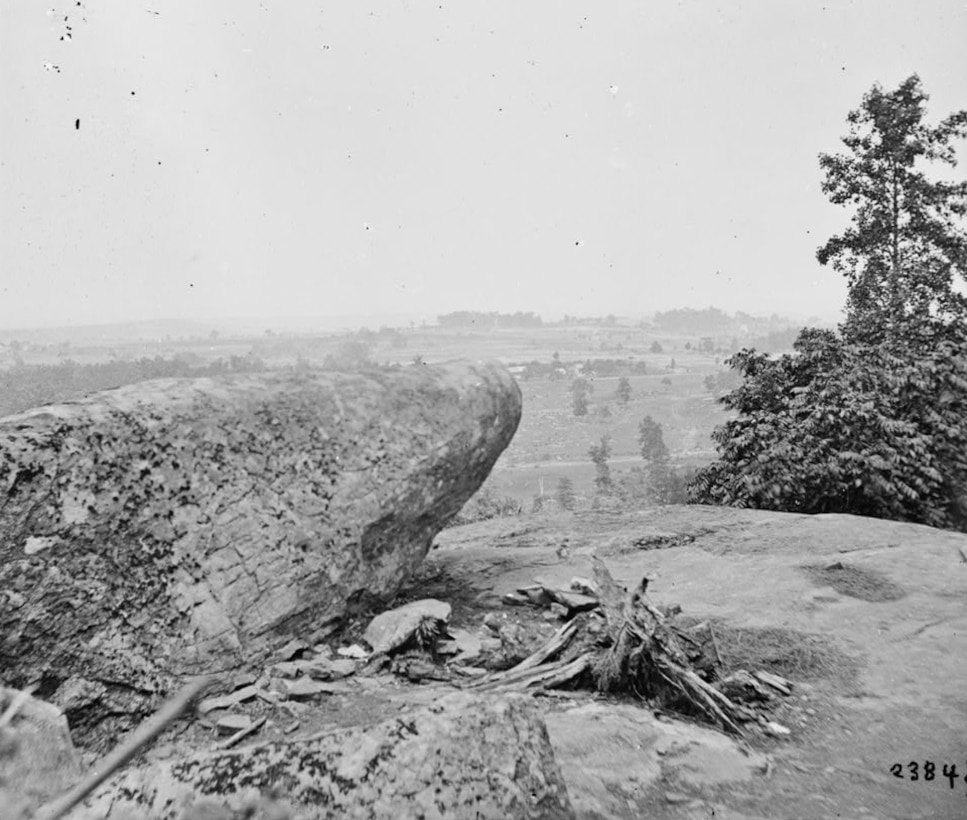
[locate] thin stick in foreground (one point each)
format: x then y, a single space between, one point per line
170 711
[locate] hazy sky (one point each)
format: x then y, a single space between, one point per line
236 157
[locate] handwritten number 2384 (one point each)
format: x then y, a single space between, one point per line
929 771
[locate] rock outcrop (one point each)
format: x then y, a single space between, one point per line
184 527
462 757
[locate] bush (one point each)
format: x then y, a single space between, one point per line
484 505
564 494
868 429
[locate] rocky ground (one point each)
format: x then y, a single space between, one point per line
864 618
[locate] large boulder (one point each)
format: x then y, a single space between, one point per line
192 526
463 757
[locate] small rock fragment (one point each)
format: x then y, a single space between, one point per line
574 601
322 669
354 651
465 645
741 686
292 649
777 682
308 688
419 669
392 629
231 723
536 595
584 586
242 679
227 701
777 729
492 621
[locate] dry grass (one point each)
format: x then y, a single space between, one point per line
798 656
856 582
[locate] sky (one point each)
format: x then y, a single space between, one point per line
283 158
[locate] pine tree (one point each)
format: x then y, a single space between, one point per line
904 251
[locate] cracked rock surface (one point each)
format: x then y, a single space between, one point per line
192 526
464 756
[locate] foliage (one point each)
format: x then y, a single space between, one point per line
599 454
579 396
477 320
653 484
846 427
719 382
651 441
623 391
776 341
689 320
871 420
564 494
905 250
484 505
351 355
655 347
29 386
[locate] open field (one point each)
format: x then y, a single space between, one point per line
551 443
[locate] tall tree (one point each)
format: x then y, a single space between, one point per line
871 420
565 493
599 454
905 249
623 391
651 441
579 396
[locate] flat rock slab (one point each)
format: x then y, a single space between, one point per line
463 757
894 614
182 527
614 757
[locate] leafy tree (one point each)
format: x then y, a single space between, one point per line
666 485
623 391
655 347
842 427
871 420
579 396
565 493
905 249
651 441
350 355
599 454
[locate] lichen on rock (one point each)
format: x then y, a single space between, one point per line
190 526
465 756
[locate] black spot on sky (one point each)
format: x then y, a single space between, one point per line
77 124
